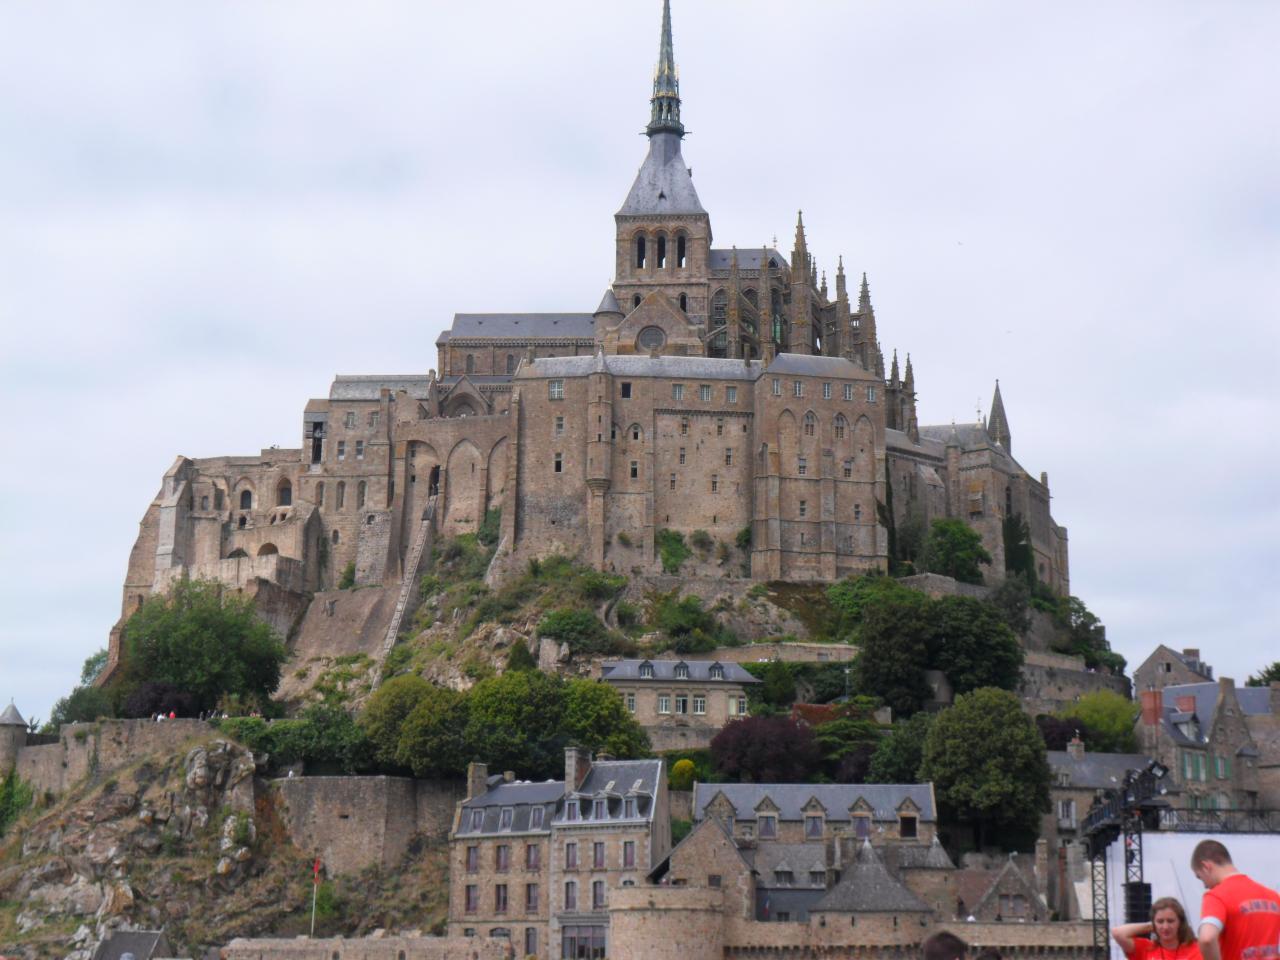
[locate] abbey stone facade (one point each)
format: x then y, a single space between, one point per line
714 388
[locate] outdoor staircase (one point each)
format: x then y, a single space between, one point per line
409 582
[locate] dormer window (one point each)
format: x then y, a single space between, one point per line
505 818
907 826
571 810
646 671
477 819
629 807
717 672
535 818
767 826
813 826
682 671
783 877
600 810
862 826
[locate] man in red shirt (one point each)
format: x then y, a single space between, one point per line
1239 919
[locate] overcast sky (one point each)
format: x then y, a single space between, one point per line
209 209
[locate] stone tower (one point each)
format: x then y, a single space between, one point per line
13 737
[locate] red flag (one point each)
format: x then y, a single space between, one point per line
315 871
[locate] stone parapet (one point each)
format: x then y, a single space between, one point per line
238 572
367 948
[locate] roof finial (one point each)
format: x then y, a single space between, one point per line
664 114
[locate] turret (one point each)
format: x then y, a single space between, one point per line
13 737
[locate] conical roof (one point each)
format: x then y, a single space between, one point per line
11 717
866 886
608 303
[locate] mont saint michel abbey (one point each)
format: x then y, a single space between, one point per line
714 387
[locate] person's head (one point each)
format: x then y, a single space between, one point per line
1169 922
988 953
1211 863
944 946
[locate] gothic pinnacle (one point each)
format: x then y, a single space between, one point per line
893 372
864 296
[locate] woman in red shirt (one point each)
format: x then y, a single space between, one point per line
1171 938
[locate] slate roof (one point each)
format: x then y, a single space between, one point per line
642 365
521 797
1254 701
807 365
918 856
663 185
362 387
608 303
11 717
748 259
1094 771
771 901
664 671
800 859
866 886
629 777
521 325
790 798
898 440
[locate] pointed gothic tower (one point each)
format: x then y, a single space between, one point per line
800 339
663 233
998 423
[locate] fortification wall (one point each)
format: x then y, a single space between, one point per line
351 823
239 572
1051 681
99 748
337 623
367 948
798 652
373 546
936 586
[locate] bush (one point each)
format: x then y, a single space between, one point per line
627 613
701 540
15 797
688 625
682 775
347 579
672 550
594 585
743 539
397 660
83 705
519 657
580 629
490 527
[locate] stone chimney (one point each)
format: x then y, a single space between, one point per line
577 763
1152 707
1191 653
1075 748
1042 868
477 779
508 776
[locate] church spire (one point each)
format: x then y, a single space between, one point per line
998 423
664 116
864 296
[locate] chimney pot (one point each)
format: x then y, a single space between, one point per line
1075 748
1152 707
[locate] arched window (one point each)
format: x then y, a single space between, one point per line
635 301
779 324
681 247
646 670
267 549
682 671
342 494
640 251
662 253
320 494
717 672
753 298
361 489
511 364
684 303
841 425
246 499
810 424
719 307
471 363
335 538
284 494
636 432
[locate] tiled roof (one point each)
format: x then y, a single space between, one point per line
665 671
865 886
837 798
11 717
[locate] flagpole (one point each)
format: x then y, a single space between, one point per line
315 886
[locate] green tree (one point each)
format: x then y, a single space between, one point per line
1019 558
893 641
848 597
973 645
432 740
514 722
595 717
323 736
94 664
81 705
1109 716
1265 676
986 760
205 641
15 797
385 714
898 756
778 688
682 774
519 657
1013 601
954 549
1086 636
580 629
848 742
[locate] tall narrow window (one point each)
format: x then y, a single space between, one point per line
342 449
320 494
558 463
841 424
826 391
848 391
802 466
728 456
511 364
246 499
715 483
640 251
804 508
720 427
673 481
797 387
361 489
677 391
730 394
359 449
777 387
871 394
571 895
681 246
682 456
471 363
635 469
662 253
555 389
704 392
810 424
684 303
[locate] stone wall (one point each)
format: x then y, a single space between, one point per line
351 823
1051 681
937 586
367 948
337 623
85 749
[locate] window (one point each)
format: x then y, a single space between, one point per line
635 301
374 417
349 420
717 672
636 432
477 820
699 704
640 253
810 424
713 880
673 481
535 818
715 483
802 466
682 456
342 494
730 394
500 898
704 392
597 854
362 490
818 877
646 671
720 427
217 497
587 943
684 303
848 469
682 703
664 703
857 511
682 671
531 934
502 857
532 855
907 827
629 807
628 854
555 389
767 826
826 391
631 702
571 894
204 502
871 394
599 809
680 253
797 388
511 364
782 916
841 425
812 827
320 494
472 897
571 849
626 390
848 391
473 859
530 897
635 469
862 826
597 895
684 426
571 812
662 253
783 877
246 498
559 426
804 508
471 363
558 463
777 387
677 391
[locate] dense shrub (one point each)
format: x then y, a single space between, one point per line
765 750
682 775
580 629
151 697
347 579
689 626
672 550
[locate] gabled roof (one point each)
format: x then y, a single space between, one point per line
11 717
1254 701
665 671
866 886
580 326
1094 771
800 859
790 798
521 798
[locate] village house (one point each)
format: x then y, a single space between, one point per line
680 704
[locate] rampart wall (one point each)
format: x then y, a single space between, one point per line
1051 681
367 948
